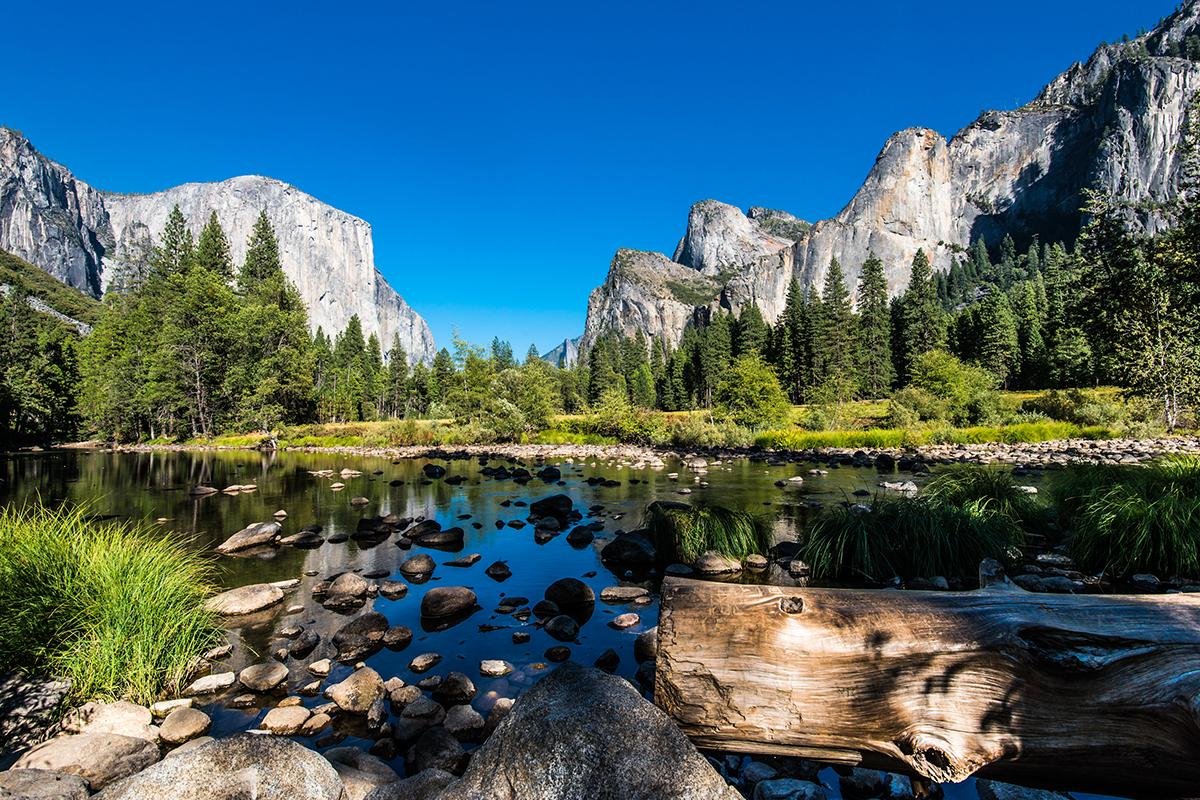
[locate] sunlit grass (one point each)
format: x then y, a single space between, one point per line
685 532
1133 519
114 607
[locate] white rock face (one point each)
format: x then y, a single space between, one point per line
1114 123
83 237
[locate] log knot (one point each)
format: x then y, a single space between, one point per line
791 605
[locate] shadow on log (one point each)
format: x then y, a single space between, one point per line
1085 692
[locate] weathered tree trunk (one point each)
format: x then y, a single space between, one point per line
1085 692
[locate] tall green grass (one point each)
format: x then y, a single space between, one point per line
1131 519
1017 433
909 538
113 607
685 532
994 487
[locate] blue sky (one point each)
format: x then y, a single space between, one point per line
503 151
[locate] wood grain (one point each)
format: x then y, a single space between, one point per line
1086 692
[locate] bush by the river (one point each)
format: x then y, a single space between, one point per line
117 608
1134 519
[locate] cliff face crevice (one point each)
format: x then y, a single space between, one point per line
1113 123
85 237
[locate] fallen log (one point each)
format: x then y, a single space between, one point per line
1087 692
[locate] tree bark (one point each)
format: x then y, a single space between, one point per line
1085 692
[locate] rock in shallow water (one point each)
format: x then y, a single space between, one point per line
244 600
557 742
262 767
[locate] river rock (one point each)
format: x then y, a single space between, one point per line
436 748
443 602
361 773
537 751
464 723
360 637
98 758
558 505
264 676
498 571
210 684
996 790
184 724
121 716
397 637
623 594
645 646
629 550
447 538
425 785
244 600
563 627
494 668
358 692
420 564
622 621
243 766
256 535
455 688
789 789
569 593
41 784
713 563
286 720
424 662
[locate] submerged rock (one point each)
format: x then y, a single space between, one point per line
559 742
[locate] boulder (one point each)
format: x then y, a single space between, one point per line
41 784
98 758
184 724
420 564
361 773
358 692
121 716
442 602
499 571
437 749
559 741
360 637
557 505
244 600
286 720
569 593
247 765
425 785
629 551
264 676
256 535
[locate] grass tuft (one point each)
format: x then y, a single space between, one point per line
685 531
1133 519
992 486
909 538
113 607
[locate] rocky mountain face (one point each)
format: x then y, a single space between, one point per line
1113 123
565 354
84 237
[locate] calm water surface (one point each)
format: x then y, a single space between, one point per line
155 486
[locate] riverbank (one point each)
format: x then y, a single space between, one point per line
1036 455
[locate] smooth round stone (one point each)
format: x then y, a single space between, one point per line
358 692
424 662
420 564
625 621
184 724
244 600
494 668
567 592
263 677
286 720
447 601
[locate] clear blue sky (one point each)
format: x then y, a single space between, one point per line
503 151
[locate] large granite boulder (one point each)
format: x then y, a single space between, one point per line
582 733
98 758
41 784
244 766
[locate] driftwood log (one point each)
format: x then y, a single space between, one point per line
1087 692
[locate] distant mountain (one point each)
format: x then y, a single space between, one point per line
83 237
565 355
1113 123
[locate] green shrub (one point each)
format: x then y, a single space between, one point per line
1077 406
749 394
683 532
115 608
1131 519
993 487
968 392
909 538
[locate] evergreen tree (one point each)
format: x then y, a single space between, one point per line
751 332
212 249
1030 320
923 323
998 345
502 354
441 377
262 254
836 343
875 369
716 352
175 250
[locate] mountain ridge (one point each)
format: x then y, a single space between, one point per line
1113 122
84 237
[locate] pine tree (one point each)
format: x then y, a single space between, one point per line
212 249
751 332
836 343
441 377
788 346
1030 321
998 348
923 323
716 353
175 250
502 354
262 255
874 331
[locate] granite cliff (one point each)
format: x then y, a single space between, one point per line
1113 123
84 237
